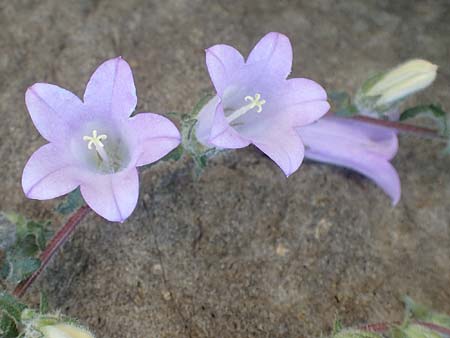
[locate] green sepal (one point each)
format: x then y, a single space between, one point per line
342 105
73 201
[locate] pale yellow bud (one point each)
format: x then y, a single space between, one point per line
64 330
402 81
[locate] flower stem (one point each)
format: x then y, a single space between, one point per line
55 243
402 127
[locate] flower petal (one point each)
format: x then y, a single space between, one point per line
222 62
376 168
224 136
48 175
284 147
355 145
342 134
53 110
155 135
275 50
114 196
111 91
300 90
305 113
205 120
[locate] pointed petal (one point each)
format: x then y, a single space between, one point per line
156 136
284 147
111 91
48 175
114 196
376 168
53 110
275 50
224 136
222 62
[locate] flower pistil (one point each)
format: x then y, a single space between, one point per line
96 141
255 102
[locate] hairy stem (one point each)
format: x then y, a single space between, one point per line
402 127
55 243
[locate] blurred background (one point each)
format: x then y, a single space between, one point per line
241 251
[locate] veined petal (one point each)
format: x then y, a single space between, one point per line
113 196
48 174
111 91
374 167
224 136
275 50
284 147
222 62
53 110
155 135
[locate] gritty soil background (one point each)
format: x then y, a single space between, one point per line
241 251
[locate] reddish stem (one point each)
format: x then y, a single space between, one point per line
401 127
55 243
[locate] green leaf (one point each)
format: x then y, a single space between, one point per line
431 110
7 232
72 202
21 257
11 311
11 306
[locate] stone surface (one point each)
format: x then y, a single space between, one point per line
241 251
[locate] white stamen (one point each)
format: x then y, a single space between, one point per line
254 102
96 141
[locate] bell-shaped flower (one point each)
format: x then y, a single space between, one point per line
257 104
356 145
94 143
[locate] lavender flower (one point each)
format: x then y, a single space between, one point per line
256 104
356 145
95 144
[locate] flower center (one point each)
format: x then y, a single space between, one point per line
255 102
96 141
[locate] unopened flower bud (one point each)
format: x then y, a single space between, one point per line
51 326
380 93
63 330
